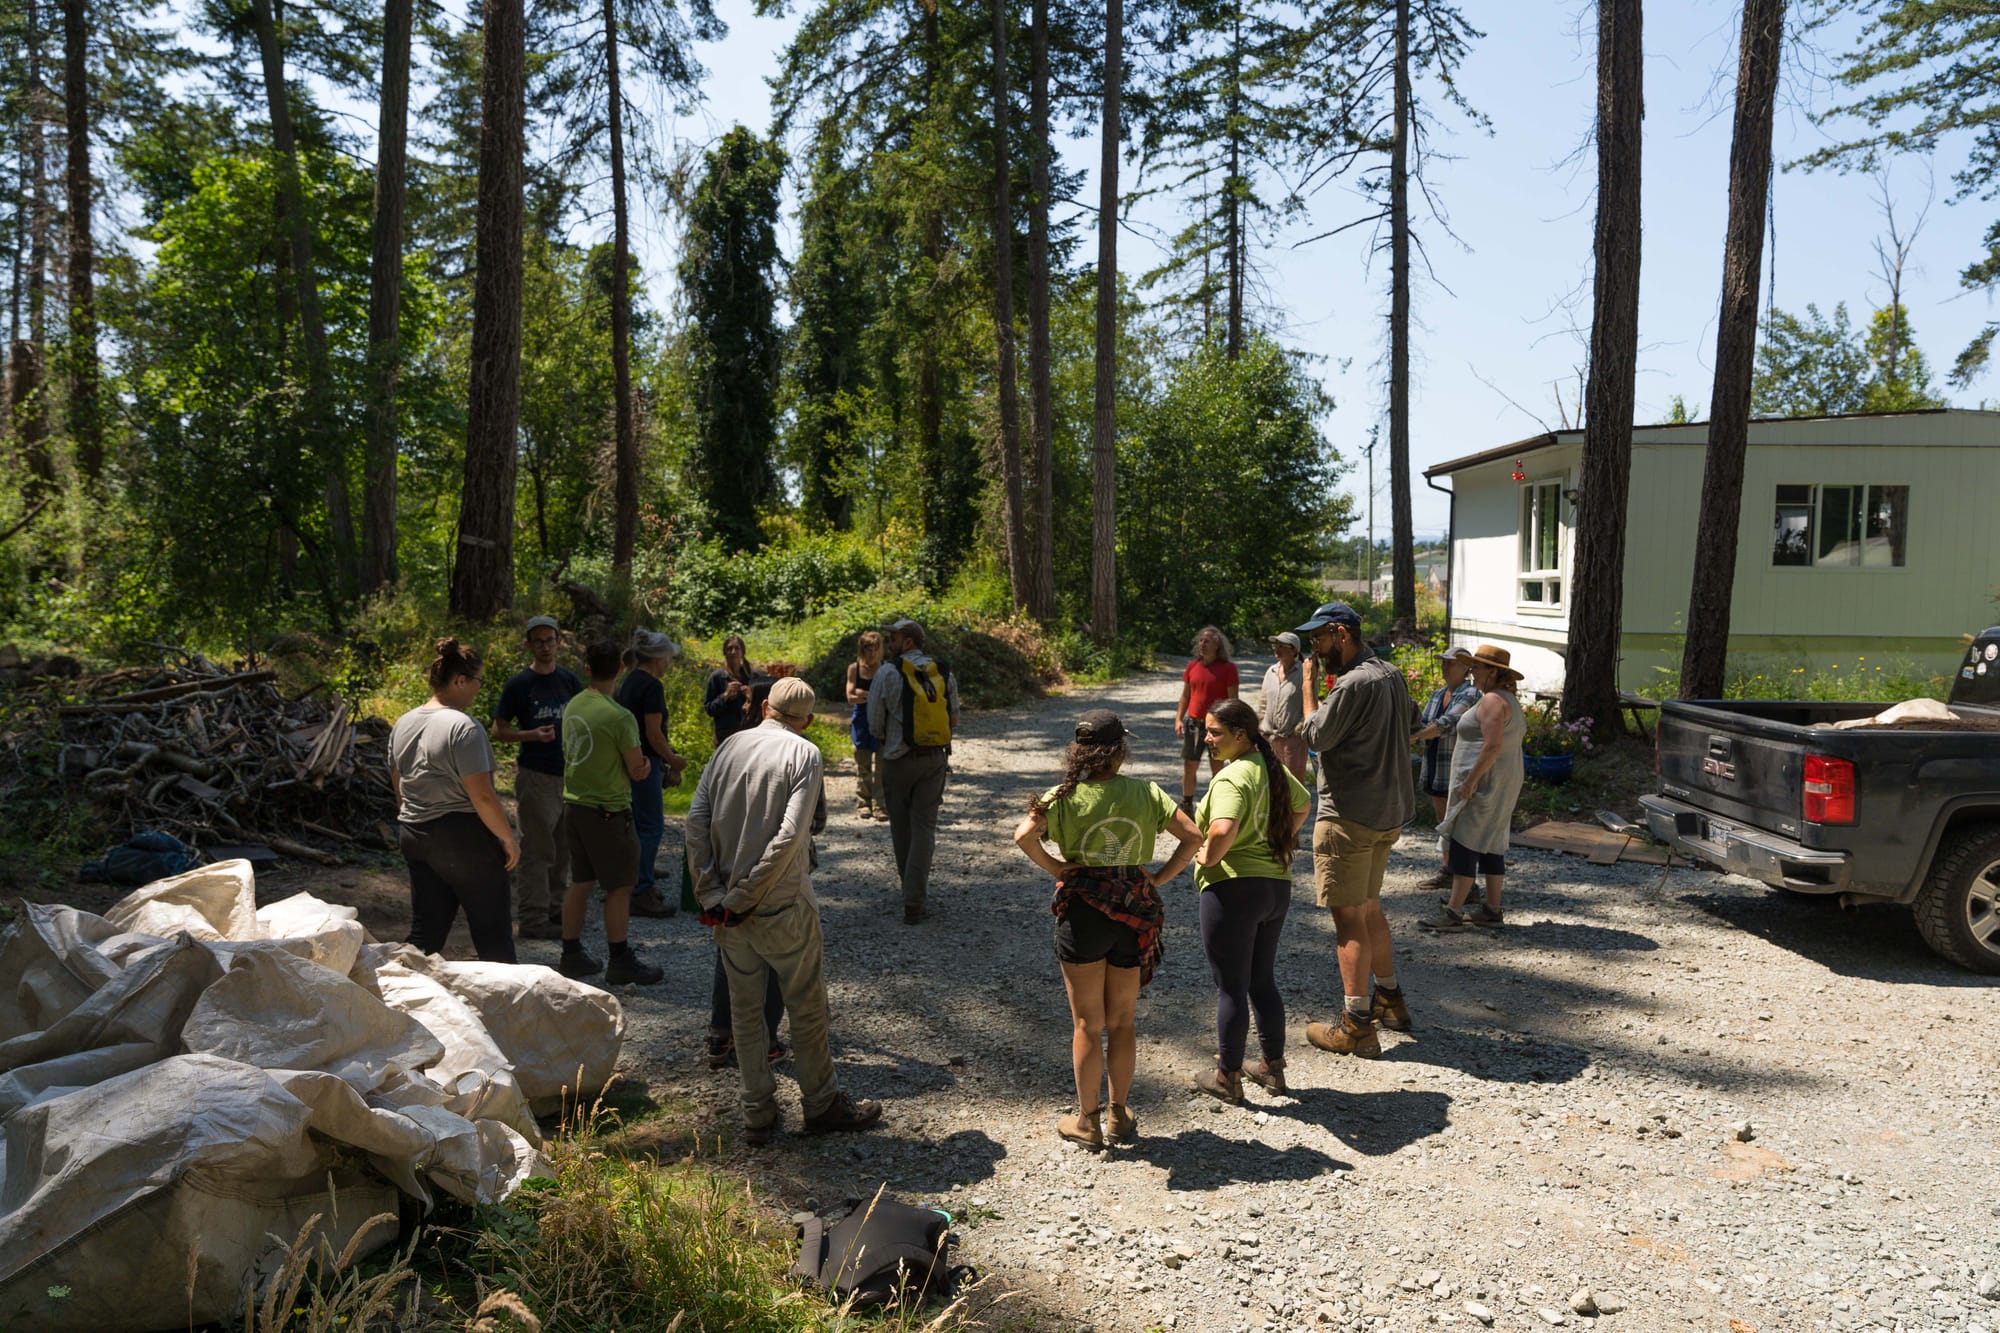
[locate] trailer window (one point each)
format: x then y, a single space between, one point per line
1844 526
1541 579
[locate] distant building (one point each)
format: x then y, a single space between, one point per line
1860 536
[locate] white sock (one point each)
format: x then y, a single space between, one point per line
1358 1004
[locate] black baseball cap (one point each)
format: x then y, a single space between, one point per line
1333 613
1100 726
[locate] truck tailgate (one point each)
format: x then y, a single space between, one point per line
1731 770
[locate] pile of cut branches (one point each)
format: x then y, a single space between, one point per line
215 756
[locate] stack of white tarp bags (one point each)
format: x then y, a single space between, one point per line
188 1079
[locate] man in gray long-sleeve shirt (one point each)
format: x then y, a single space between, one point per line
1362 735
749 844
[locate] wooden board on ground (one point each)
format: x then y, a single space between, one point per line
1601 846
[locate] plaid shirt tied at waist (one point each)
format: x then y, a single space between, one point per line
1121 893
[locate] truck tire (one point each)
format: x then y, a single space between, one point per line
1958 909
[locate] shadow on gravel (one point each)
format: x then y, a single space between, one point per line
1577 937
1202 1160
1876 943
1496 1057
1374 1124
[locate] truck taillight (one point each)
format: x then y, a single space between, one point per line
1829 790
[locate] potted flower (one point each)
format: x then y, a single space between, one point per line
1550 745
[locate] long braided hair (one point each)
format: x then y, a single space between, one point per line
1080 763
1239 716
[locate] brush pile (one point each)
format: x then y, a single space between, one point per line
214 756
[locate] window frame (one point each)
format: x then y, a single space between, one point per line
1528 535
1816 524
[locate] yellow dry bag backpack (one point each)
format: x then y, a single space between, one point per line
926 704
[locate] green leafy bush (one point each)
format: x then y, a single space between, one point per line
787 580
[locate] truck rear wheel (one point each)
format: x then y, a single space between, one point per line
1958 910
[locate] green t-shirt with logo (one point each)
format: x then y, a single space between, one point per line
1241 792
596 733
1111 822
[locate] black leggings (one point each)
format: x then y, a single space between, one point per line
1241 920
454 862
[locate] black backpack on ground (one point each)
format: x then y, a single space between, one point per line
879 1252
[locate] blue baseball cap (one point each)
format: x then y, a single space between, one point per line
1333 613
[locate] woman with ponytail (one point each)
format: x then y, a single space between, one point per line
1108 910
1249 820
453 834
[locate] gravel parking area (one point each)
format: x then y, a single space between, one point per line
1653 1100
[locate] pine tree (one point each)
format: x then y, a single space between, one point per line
834 300
385 304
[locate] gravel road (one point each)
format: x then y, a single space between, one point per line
1649 1102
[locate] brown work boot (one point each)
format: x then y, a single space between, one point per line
1350 1036
844 1113
1390 1009
1222 1084
1085 1127
1268 1075
1120 1125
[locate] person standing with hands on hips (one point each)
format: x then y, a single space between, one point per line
1206 682
1361 732
530 714
642 695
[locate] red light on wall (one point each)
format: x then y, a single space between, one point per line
1519 475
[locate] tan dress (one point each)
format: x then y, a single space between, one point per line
1483 823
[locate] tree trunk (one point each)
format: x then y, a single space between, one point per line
385 304
1597 586
86 430
1014 518
321 428
1041 394
1104 424
1232 191
625 487
1403 558
482 576
27 398
1705 658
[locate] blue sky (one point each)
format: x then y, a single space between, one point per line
1495 346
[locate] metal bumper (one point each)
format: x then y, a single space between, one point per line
1744 849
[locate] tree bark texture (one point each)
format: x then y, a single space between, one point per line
1403 556
1597 587
1705 657
85 426
1014 516
320 426
482 576
1104 422
27 364
1232 192
625 466
1041 393
385 305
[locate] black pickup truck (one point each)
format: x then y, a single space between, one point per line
1907 813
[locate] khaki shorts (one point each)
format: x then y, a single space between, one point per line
1349 860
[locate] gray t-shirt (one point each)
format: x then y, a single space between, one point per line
432 750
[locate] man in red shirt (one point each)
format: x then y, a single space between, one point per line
1208 680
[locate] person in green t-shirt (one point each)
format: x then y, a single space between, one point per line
602 758
1108 910
1249 819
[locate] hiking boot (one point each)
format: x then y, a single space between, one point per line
844 1113
721 1048
1120 1124
540 930
882 814
1350 1036
1442 919
628 969
578 965
1268 1075
1222 1084
1441 882
914 914
652 905
756 1136
1390 1009
1085 1127
1483 915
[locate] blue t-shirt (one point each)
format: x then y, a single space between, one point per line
530 699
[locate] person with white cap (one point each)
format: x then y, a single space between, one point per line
1281 707
1361 732
642 695
1436 728
1486 776
530 715
750 850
